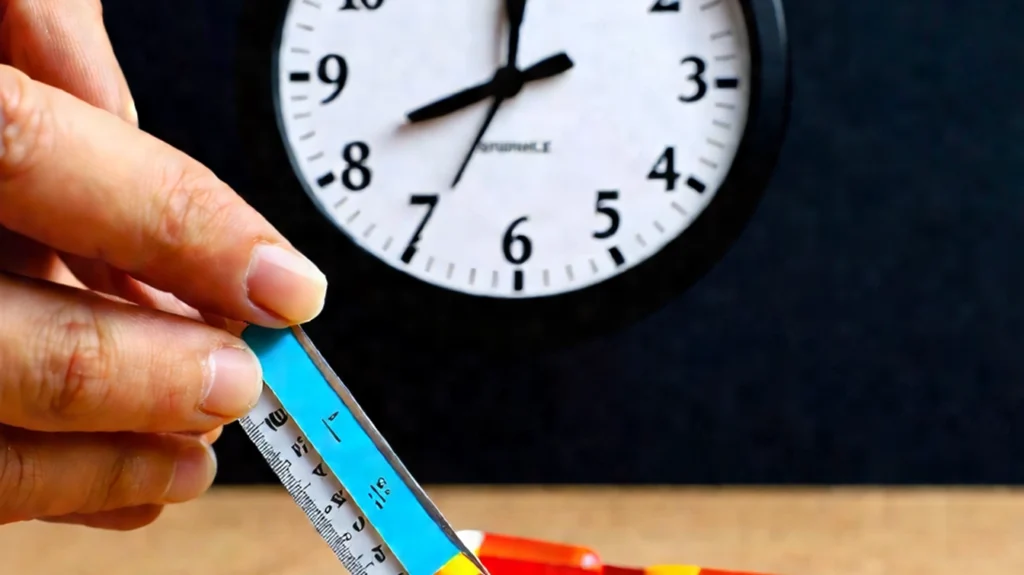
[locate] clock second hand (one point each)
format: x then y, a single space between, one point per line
498 99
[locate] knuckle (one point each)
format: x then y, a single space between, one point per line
118 486
26 123
137 474
189 203
18 481
78 355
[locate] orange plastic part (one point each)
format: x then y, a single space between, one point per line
545 552
506 566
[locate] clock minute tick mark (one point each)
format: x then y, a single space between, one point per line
640 240
369 231
341 202
472 276
353 217
696 185
494 279
326 180
679 209
387 244
617 256
305 27
450 272
593 266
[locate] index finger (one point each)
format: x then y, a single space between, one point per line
84 182
65 44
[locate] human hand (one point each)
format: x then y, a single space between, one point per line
125 269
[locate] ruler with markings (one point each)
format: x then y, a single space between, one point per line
340 470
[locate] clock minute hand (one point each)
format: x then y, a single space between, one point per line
515 10
546 68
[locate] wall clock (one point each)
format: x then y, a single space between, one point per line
508 174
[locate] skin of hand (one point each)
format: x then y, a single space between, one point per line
127 270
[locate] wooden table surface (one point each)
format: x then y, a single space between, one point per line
793 531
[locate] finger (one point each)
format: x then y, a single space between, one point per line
209 437
26 257
125 519
59 474
143 207
100 277
75 361
65 44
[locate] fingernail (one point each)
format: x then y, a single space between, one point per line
284 283
194 470
234 382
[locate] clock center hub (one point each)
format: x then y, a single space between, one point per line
508 82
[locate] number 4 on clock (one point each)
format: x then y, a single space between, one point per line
665 169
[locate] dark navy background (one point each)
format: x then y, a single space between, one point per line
867 327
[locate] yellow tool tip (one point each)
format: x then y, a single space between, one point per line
672 570
460 565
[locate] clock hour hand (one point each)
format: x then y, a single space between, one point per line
453 103
546 68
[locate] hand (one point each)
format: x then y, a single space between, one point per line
546 68
123 264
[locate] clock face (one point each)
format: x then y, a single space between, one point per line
577 178
458 198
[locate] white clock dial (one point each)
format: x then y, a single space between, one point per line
579 177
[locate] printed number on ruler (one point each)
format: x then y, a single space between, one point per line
315 489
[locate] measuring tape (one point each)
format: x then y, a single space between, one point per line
340 470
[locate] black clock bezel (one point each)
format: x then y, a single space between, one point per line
371 296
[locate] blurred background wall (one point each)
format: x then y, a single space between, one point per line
867 327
